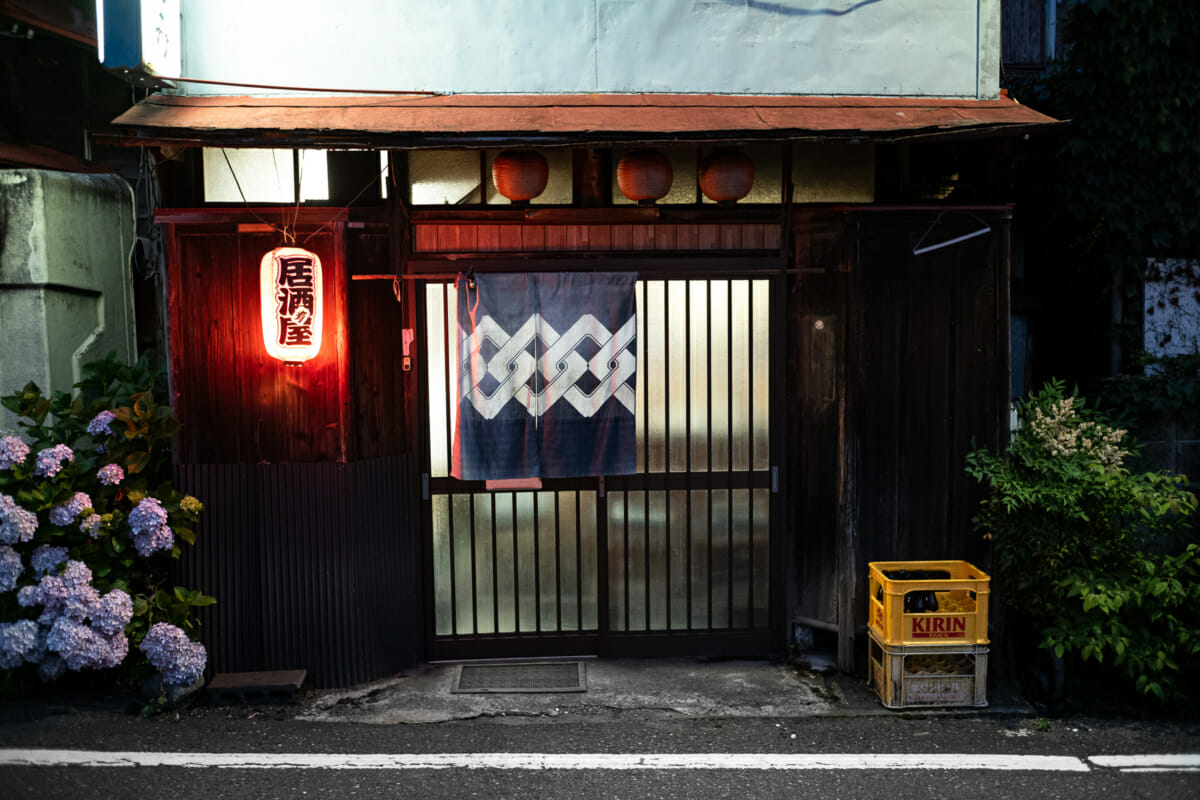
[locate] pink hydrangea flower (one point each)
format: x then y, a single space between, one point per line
110 474
12 451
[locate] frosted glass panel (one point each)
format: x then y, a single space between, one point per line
700 367
526 567
676 375
691 555
761 509
443 588
721 371
503 536
514 562
314 175
444 177
758 367
741 386
462 568
680 555
703 375
700 546
441 331
251 176
484 564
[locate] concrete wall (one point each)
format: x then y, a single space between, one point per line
935 48
66 295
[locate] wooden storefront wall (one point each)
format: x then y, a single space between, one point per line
307 539
894 362
900 366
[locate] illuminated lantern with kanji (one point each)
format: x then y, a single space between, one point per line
290 289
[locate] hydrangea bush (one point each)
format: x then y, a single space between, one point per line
88 528
1091 558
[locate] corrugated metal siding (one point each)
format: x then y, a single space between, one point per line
314 566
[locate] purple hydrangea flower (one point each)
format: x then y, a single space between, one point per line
171 652
16 523
82 647
99 424
68 594
90 524
29 596
150 542
76 574
18 643
150 529
66 513
80 603
113 613
49 461
46 559
149 515
110 474
12 451
10 568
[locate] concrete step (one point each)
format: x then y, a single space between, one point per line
279 686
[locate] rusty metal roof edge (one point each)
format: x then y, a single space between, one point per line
272 138
477 121
611 99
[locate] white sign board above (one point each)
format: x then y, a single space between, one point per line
142 36
897 48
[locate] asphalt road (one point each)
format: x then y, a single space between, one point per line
263 731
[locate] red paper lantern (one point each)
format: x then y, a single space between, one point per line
726 175
520 175
290 291
644 175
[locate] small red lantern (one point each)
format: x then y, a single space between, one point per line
520 175
290 291
726 175
644 176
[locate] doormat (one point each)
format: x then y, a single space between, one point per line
539 676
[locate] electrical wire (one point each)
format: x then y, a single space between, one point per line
295 88
347 206
246 203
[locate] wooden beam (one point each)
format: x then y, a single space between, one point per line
54 16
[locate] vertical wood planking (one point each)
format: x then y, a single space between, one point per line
488 238
450 237
241 404
314 566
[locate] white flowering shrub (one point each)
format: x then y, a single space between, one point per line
1095 562
88 528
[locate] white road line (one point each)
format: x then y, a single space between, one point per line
1179 762
545 761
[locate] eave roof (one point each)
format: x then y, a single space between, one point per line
549 120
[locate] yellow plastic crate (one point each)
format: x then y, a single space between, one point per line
962 603
925 676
